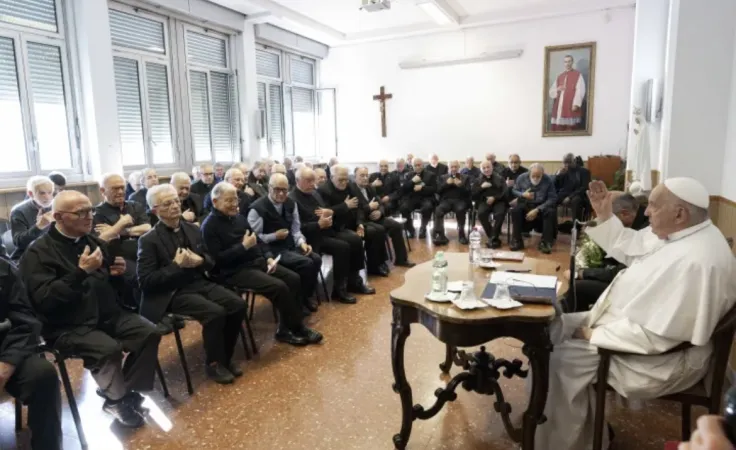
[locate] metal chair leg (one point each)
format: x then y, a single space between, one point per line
160 373
183 359
248 326
72 401
18 415
324 286
686 422
246 347
252 307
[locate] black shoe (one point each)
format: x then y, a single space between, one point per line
379 271
422 232
384 270
463 240
545 248
133 399
235 370
343 296
312 307
179 323
288 337
306 312
125 414
219 374
358 286
408 264
494 243
441 239
515 246
312 336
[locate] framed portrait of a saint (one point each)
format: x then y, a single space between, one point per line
569 85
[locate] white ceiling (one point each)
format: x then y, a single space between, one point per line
339 22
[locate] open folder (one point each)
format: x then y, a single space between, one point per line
527 288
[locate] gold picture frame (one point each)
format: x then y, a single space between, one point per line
562 116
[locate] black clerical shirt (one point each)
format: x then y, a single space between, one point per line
105 213
23 227
223 239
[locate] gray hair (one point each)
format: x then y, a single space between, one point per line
155 192
231 172
105 178
37 181
221 188
302 172
355 171
625 202
536 166
145 172
135 178
277 177
179 176
338 168
278 168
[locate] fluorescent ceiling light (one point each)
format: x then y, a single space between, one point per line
484 57
437 14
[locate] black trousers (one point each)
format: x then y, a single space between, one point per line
395 231
497 212
36 384
131 295
102 349
587 293
375 245
347 254
458 206
306 266
408 204
546 220
281 287
578 204
219 310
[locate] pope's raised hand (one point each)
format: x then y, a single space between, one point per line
600 200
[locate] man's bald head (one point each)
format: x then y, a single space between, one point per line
454 167
383 166
72 212
340 177
278 187
321 176
418 165
306 180
112 188
278 168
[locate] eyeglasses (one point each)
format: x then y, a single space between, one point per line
83 213
168 204
279 190
209 174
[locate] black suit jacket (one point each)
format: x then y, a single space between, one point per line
363 202
429 181
307 204
391 184
158 276
440 170
201 189
453 192
335 199
21 340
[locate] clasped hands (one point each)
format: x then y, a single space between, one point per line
89 261
187 259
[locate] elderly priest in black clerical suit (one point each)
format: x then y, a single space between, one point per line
418 190
345 246
172 271
435 166
375 216
32 217
120 223
73 284
489 193
192 204
275 219
246 195
206 180
387 185
342 198
23 374
149 178
454 191
244 261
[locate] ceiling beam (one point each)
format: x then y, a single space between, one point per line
446 14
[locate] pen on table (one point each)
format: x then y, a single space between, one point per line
519 270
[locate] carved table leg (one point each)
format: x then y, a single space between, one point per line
449 358
399 333
534 415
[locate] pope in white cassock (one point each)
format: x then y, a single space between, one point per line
678 283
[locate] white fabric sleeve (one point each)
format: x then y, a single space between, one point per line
579 92
552 90
625 336
619 242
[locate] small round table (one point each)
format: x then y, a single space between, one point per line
459 328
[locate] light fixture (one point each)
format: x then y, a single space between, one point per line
441 13
483 57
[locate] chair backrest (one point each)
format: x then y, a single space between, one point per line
7 242
722 340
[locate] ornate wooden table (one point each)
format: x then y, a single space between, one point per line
458 328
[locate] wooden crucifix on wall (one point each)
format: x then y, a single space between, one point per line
382 97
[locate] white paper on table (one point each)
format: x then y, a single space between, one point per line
455 286
524 279
441 297
507 303
469 304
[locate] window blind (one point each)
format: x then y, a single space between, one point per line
206 50
130 118
136 32
302 72
40 14
159 113
262 96
220 116
14 145
268 64
49 106
200 115
276 125
302 101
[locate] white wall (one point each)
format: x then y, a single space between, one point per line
472 109
728 184
697 96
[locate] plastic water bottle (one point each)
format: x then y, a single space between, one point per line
474 239
439 273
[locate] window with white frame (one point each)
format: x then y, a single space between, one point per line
36 105
286 98
155 56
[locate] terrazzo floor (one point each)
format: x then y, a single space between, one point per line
336 396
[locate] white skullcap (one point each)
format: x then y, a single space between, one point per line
689 190
636 188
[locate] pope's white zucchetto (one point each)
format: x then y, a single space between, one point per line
689 190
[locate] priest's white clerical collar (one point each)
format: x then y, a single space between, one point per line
71 238
688 231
